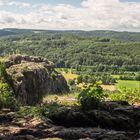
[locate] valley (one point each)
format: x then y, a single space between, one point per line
69 85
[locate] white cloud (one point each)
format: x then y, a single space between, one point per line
14 3
19 4
2 2
92 15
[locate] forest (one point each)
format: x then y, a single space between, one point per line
68 50
69 84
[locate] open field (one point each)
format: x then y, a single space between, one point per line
67 73
129 84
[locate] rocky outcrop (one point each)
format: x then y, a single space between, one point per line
18 59
33 77
27 127
117 116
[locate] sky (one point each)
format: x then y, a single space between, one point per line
120 15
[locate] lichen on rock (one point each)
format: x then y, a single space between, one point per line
33 77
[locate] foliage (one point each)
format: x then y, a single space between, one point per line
130 76
91 96
2 71
49 108
7 100
73 86
132 96
106 79
71 82
32 111
77 50
93 56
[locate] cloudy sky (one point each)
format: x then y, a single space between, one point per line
71 14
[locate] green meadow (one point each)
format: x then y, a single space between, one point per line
129 84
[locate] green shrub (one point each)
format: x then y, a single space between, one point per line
131 96
2 71
91 96
50 108
7 100
71 82
30 111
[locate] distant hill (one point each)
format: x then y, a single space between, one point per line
12 31
71 48
125 36
6 33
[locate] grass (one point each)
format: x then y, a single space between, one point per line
64 99
129 84
68 75
116 76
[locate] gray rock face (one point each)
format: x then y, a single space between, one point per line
33 77
17 59
118 117
30 128
16 127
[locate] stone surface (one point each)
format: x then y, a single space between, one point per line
24 128
113 115
17 59
33 77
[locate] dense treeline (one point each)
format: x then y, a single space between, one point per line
106 79
75 50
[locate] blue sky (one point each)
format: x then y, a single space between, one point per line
71 14
72 2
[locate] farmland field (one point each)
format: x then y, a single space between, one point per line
129 84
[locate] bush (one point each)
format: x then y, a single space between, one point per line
91 96
2 71
30 111
7 100
79 79
137 77
71 82
105 78
131 96
50 108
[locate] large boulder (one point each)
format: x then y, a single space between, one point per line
33 77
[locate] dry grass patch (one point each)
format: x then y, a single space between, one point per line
109 87
66 99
